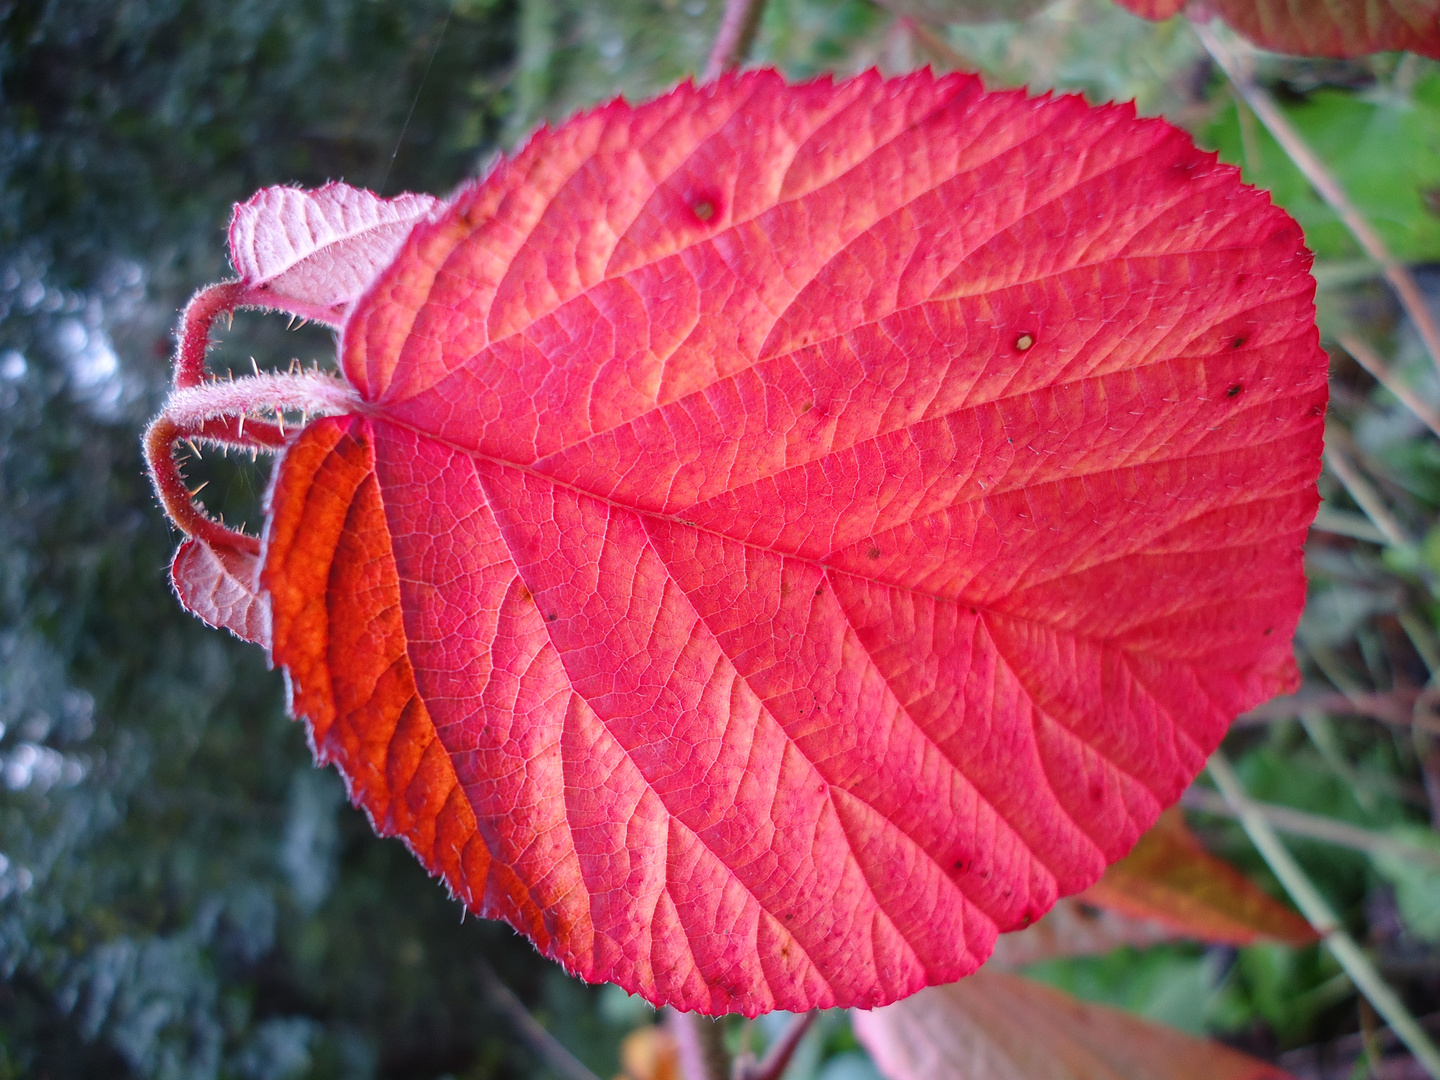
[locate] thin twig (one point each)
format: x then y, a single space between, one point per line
1238 64
738 27
937 46
1395 707
1344 523
1315 827
1361 490
781 1051
701 1046
542 1044
1371 360
1315 908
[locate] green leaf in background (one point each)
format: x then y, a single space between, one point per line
1417 888
1384 146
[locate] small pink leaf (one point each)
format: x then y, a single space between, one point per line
219 585
313 253
997 1026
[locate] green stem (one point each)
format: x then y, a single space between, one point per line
1315 908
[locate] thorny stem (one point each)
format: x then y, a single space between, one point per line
1238 66
1314 907
200 410
738 27
542 1044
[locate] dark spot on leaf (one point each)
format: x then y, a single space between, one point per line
1237 343
1024 342
1026 919
874 553
551 617
784 589
1269 630
820 591
1234 391
808 406
526 595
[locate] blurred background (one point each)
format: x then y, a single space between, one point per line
182 895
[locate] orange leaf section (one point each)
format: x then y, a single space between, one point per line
996 1026
1319 27
335 594
1171 879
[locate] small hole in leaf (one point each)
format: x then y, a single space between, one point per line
1234 391
704 209
1237 343
1024 341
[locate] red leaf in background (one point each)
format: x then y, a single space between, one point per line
1169 877
313 253
1318 27
784 535
996 1026
1075 928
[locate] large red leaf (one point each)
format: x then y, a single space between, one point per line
785 534
1318 27
996 1026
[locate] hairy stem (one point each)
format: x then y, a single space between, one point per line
1238 65
738 27
1314 907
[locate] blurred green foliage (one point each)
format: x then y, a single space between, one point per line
181 894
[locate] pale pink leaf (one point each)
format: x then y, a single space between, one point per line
218 585
313 253
996 1026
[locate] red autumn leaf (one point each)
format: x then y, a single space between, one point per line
1318 27
996 1026
313 252
1170 878
780 536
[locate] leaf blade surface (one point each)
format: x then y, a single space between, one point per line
793 533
